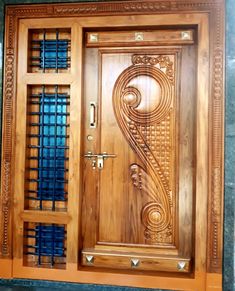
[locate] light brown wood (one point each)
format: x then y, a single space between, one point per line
74 199
135 261
6 268
48 79
139 37
213 282
201 181
170 282
91 225
123 198
45 216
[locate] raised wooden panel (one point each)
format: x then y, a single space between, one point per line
144 106
138 94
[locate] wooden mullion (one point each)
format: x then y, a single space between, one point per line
74 195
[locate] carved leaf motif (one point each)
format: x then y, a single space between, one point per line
164 62
156 220
136 126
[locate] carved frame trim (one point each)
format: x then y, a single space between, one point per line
215 9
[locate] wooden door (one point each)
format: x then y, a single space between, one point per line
112 144
138 182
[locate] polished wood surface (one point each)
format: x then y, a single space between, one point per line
192 192
138 200
139 37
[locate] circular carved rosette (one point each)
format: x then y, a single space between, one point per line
154 217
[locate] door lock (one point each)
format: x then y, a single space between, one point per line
98 159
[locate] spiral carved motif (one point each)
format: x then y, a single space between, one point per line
154 217
122 89
156 214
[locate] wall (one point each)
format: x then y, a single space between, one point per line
229 233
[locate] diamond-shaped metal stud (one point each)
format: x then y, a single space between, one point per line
135 263
181 266
185 35
93 37
139 36
89 259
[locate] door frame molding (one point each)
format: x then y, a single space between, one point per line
212 11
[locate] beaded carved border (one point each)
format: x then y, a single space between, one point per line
215 9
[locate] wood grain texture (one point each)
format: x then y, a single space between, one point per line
136 262
214 9
215 210
132 211
149 129
8 140
139 37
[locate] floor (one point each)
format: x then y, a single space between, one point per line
3 288
36 285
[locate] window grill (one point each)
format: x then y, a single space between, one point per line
48 135
50 51
45 244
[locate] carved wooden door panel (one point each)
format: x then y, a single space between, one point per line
139 154
112 149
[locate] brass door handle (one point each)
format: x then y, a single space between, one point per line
98 159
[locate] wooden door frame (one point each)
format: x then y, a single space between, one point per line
206 15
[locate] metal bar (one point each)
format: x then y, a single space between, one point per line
47 124
48 180
56 58
47 135
46 199
48 103
41 143
49 158
53 245
62 60
49 113
43 50
55 142
49 169
45 255
39 244
47 95
48 147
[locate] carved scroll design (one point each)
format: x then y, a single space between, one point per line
164 62
156 215
216 10
157 221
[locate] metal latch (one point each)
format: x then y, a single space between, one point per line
98 159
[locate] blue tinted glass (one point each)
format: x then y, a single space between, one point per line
53 54
49 242
52 147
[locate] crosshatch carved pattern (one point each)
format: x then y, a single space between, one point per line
216 102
